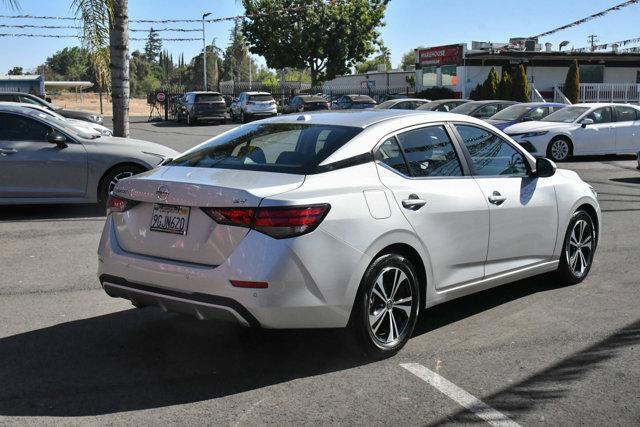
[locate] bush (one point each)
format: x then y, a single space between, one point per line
521 85
490 85
505 89
436 92
476 93
572 83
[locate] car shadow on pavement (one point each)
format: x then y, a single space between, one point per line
51 212
143 358
554 382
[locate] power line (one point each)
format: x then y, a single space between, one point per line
67 36
588 18
134 30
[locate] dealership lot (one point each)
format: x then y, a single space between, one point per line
535 351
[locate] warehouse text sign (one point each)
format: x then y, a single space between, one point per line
441 55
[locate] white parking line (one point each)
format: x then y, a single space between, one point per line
473 404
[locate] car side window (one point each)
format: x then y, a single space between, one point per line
14 127
430 152
486 111
490 154
390 154
601 115
626 114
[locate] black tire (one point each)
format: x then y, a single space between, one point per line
233 116
559 149
190 121
243 117
574 267
369 300
117 173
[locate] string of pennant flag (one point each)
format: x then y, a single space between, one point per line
69 36
605 46
135 30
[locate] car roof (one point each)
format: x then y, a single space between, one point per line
542 104
15 107
408 99
368 117
492 101
256 93
25 105
205 92
603 104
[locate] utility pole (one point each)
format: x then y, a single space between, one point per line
204 50
592 41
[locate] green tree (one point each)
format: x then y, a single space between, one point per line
236 60
71 63
383 57
490 85
572 83
15 71
153 47
521 85
327 39
476 93
506 86
408 59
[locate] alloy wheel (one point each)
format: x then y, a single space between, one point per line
559 149
116 178
579 250
389 306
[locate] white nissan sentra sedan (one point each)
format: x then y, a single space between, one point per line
581 129
356 219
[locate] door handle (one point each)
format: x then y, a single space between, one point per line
413 202
6 151
496 198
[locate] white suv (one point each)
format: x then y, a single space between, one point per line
581 129
250 105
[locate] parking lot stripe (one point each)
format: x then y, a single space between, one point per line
455 393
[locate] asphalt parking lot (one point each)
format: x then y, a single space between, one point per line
535 351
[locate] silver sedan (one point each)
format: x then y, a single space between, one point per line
45 160
344 219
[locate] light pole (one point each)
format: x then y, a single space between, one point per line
204 50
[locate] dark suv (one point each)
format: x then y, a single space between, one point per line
306 103
33 99
201 106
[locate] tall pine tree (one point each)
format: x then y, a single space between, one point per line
505 88
521 85
572 83
153 47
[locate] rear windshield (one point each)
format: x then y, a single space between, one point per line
260 98
208 97
313 99
362 100
271 147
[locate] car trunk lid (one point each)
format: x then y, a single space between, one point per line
204 241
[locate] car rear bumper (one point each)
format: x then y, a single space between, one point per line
210 116
312 280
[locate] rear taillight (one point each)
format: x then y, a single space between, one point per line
277 222
119 204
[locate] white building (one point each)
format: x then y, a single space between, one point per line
613 75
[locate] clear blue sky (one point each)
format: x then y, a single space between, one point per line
409 23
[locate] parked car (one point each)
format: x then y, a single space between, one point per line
45 160
353 102
581 129
402 104
638 157
251 105
482 109
330 223
443 105
305 103
201 106
33 99
526 112
80 125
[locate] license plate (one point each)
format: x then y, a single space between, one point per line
170 219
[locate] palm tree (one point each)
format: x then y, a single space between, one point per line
106 23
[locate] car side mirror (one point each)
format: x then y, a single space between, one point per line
57 138
585 122
545 167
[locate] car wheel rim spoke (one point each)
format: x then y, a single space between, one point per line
580 247
390 306
117 178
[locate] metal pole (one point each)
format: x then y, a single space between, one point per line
204 50
249 72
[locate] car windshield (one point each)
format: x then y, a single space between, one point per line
60 122
566 115
270 147
260 98
362 100
511 113
467 108
209 97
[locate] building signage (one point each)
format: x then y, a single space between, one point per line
441 55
